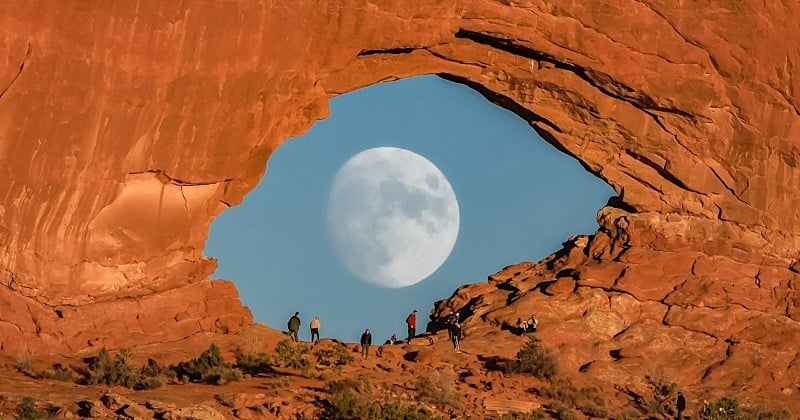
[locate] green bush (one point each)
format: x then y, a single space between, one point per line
588 400
762 413
108 370
723 408
349 399
360 386
561 411
24 367
274 386
154 375
150 382
220 375
293 356
533 359
27 410
117 370
253 363
533 415
209 368
727 408
664 393
57 372
628 414
398 410
439 390
335 354
343 403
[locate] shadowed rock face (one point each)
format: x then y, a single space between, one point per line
126 127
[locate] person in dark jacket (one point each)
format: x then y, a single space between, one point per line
455 336
294 326
452 319
366 341
680 405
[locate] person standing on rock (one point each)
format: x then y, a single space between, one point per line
452 319
366 341
294 326
411 322
680 405
455 336
314 329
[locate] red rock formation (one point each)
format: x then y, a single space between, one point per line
126 127
712 324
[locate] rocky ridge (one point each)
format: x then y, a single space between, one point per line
708 322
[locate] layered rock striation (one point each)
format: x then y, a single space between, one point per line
127 127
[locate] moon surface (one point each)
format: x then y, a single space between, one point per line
393 217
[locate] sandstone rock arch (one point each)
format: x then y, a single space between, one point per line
128 126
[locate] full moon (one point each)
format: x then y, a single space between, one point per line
393 217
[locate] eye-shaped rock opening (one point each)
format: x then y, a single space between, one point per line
127 127
517 198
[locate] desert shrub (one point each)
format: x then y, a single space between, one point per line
341 385
220 375
588 400
154 375
209 367
108 370
343 403
727 408
281 383
195 369
628 414
336 354
226 400
150 382
117 370
534 359
153 369
561 411
438 389
763 413
664 396
723 408
24 367
57 372
593 411
27 410
394 409
292 356
253 363
533 415
349 400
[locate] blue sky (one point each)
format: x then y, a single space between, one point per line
519 199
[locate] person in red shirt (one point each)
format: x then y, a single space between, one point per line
411 321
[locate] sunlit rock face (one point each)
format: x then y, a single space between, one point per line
126 127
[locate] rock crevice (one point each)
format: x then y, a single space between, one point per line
14 77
